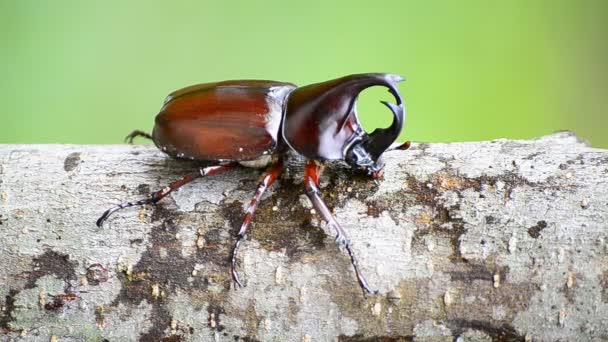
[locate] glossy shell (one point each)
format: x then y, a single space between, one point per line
224 121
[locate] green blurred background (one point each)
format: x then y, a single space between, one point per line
91 71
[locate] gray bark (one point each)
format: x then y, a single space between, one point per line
502 240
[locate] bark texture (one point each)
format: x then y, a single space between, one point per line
484 241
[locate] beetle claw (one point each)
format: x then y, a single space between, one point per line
112 210
233 272
235 277
101 220
137 133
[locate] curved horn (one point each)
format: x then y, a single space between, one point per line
320 121
381 138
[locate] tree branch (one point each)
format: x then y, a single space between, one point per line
502 240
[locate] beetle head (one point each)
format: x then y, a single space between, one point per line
321 121
366 149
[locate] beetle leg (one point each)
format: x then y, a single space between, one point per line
137 133
312 174
157 196
265 182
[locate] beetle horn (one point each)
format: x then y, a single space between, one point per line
381 138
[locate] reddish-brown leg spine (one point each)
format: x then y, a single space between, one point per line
265 182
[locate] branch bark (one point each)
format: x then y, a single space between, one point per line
502 240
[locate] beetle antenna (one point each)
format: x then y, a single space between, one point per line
312 173
265 182
137 133
158 195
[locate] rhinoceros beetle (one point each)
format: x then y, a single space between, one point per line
256 123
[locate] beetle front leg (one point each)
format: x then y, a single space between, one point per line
312 173
158 195
265 182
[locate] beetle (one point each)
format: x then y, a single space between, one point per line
257 123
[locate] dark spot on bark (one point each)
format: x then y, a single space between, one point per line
373 209
143 189
420 146
136 241
568 293
9 306
361 338
2 219
457 231
48 220
563 166
214 312
96 274
56 303
99 315
162 213
346 183
443 221
163 264
491 220
234 213
71 161
288 227
604 284
468 272
246 339
498 333
169 273
51 262
535 230
172 338
533 155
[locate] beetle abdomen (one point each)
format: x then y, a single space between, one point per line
224 121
